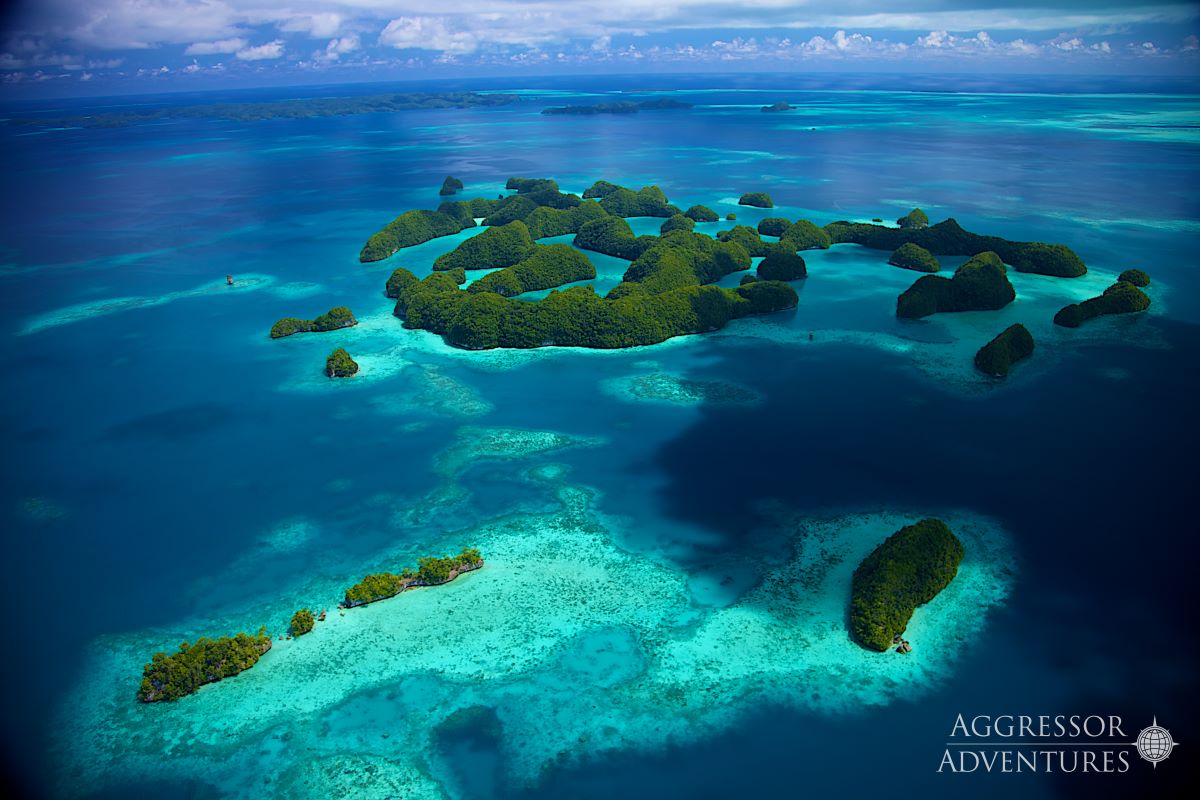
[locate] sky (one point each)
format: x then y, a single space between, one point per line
137 46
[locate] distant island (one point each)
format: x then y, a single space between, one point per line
756 199
300 108
429 572
170 677
451 185
907 570
780 106
331 320
620 107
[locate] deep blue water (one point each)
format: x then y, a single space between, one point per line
164 439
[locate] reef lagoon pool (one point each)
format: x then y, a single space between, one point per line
669 531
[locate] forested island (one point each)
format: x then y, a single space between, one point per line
667 290
981 284
620 107
169 677
756 199
1122 297
429 572
300 108
339 364
997 357
332 320
914 257
948 238
907 570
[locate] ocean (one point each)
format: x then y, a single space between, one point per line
669 530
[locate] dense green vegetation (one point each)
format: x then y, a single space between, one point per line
907 570
501 246
544 221
612 236
747 237
578 317
620 107
546 267
333 319
730 217
510 209
302 622
599 189
1135 276
170 677
782 266
679 222
756 199
804 235
451 185
411 227
1120 298
1012 345
681 259
981 284
399 278
649 201
530 185
913 256
701 214
429 572
948 238
278 109
914 219
339 364
773 226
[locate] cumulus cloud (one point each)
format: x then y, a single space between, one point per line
427 33
337 48
1191 43
224 46
318 26
262 52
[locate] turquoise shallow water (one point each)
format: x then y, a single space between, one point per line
669 530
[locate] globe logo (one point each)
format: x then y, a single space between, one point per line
1154 743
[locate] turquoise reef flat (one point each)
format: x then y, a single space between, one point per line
580 646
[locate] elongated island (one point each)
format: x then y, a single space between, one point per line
907 570
170 677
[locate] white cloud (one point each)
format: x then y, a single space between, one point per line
224 46
319 26
338 48
427 33
1191 43
262 52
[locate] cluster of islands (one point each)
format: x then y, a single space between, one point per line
668 289
905 571
195 664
